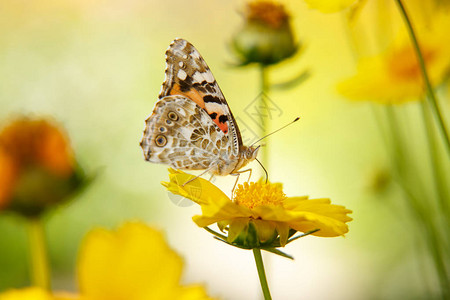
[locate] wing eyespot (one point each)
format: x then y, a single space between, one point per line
160 140
173 116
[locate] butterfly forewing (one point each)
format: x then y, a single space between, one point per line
192 126
188 74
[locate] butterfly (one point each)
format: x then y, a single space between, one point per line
192 127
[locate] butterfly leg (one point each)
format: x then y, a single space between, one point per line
192 179
235 183
238 173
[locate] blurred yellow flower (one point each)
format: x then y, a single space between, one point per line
32 293
133 263
26 294
394 76
37 166
263 206
329 6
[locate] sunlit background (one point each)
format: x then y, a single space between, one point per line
97 66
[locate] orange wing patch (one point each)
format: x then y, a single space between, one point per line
220 120
191 94
212 107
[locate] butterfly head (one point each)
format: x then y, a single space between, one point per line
251 152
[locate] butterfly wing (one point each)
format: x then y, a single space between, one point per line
187 74
182 134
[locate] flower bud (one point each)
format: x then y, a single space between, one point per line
266 36
37 166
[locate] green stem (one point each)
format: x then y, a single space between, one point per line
38 254
264 110
261 273
405 174
379 124
431 95
398 153
439 176
434 242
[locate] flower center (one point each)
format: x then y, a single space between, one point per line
259 193
404 65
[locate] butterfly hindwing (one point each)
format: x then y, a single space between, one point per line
180 133
187 74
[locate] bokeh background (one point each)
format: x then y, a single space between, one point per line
97 67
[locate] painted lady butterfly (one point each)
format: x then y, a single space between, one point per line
192 126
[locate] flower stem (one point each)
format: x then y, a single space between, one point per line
405 173
261 273
263 112
38 254
431 95
431 237
439 176
398 153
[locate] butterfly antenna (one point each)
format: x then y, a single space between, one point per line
296 119
265 171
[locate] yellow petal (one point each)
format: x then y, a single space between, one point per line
198 190
329 6
265 230
374 82
215 205
283 231
32 293
394 75
133 263
213 212
194 292
306 215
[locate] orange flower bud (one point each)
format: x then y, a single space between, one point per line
37 166
266 36
8 175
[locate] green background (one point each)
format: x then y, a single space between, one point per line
97 67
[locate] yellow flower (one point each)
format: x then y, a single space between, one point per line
26 294
329 6
37 166
32 293
394 76
262 208
134 263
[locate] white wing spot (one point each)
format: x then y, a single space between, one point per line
181 64
185 56
182 74
198 77
215 107
209 76
181 111
195 54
